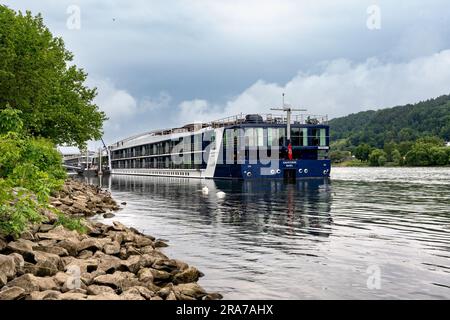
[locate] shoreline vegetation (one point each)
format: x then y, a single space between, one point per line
410 135
94 261
48 250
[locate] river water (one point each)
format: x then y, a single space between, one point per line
381 233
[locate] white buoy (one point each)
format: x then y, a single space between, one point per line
220 194
205 190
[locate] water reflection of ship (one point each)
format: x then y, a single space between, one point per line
269 206
303 207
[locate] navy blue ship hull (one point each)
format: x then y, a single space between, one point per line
298 169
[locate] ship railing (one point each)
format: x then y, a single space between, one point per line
267 118
271 119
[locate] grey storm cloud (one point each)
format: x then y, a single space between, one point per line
162 63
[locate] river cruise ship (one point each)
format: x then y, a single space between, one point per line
240 147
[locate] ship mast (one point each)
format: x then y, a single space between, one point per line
288 109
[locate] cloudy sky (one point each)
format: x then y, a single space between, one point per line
165 63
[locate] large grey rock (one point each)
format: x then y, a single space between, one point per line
104 296
118 279
58 233
44 295
117 226
59 251
213 296
73 296
160 275
110 264
81 265
191 274
70 244
147 260
85 254
131 294
133 264
19 262
171 296
98 290
91 244
145 292
47 264
145 275
28 282
190 289
46 283
7 269
116 236
61 278
12 293
112 248
142 241
165 265
88 277
160 244
23 247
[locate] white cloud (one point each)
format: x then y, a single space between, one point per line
150 104
340 88
116 103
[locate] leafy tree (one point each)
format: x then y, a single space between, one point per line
439 156
389 148
382 160
404 147
431 140
419 155
37 78
362 152
377 158
339 156
397 159
10 121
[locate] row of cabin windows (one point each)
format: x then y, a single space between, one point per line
185 144
251 137
268 137
193 161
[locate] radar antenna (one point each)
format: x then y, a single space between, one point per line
288 109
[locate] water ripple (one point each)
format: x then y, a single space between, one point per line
312 240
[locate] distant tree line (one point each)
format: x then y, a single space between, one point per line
412 135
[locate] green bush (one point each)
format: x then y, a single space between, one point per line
71 223
362 152
397 159
30 169
427 152
377 158
18 208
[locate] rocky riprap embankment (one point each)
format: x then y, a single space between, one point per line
108 262
80 199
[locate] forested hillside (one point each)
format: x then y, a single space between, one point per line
402 123
414 134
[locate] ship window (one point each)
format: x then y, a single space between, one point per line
323 140
250 138
260 136
281 136
166 147
305 136
273 136
315 133
295 136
